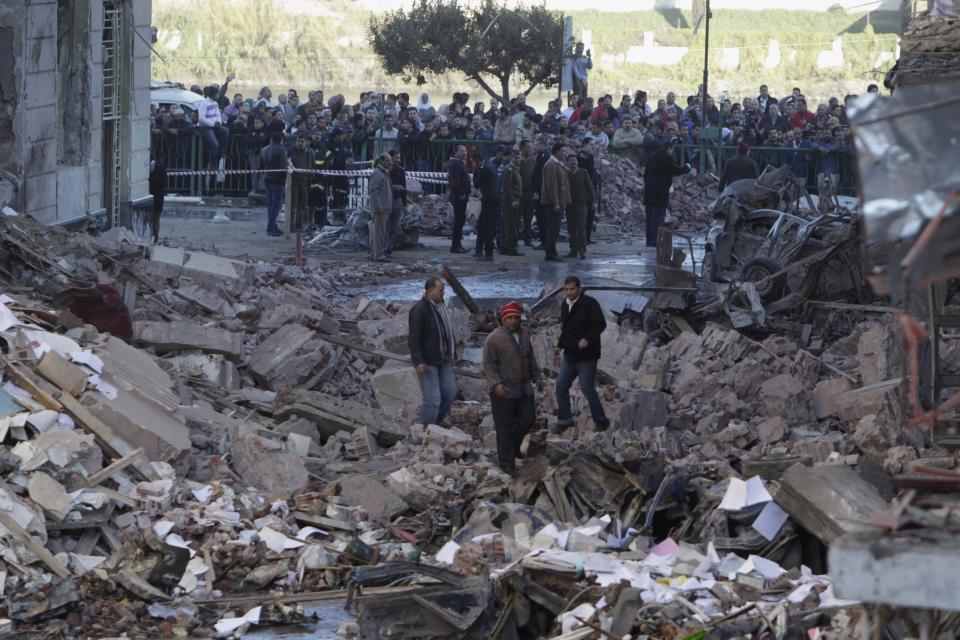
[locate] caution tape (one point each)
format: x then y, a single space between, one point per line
431 176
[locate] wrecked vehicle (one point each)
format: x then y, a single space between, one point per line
758 239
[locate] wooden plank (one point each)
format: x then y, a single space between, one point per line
460 290
115 466
115 446
67 376
26 382
38 549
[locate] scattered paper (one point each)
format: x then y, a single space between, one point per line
770 521
447 552
227 626
7 318
757 492
88 358
665 548
176 540
769 569
108 390
736 496
306 532
162 528
203 494
276 541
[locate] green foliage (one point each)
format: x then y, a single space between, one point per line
332 49
484 41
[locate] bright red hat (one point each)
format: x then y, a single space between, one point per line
512 308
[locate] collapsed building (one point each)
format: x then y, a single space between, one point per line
75 109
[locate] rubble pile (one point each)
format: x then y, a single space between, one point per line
248 449
622 193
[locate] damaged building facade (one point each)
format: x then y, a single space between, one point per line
74 108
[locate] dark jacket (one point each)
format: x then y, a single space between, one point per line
398 180
485 179
510 363
158 180
424 337
737 168
658 178
581 188
536 178
274 156
459 180
584 321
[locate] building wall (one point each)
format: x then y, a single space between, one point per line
51 129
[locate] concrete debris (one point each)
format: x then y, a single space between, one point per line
261 450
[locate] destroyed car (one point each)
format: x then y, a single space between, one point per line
756 237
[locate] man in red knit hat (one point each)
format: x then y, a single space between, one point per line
510 370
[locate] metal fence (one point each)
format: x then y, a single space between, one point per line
805 163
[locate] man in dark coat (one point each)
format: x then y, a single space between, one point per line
660 171
158 189
431 343
459 182
510 370
582 323
740 167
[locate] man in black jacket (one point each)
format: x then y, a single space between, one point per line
398 180
431 342
273 159
459 180
158 189
740 167
656 188
582 323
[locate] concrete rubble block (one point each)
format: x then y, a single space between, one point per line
873 435
143 411
372 495
828 396
785 396
332 414
772 430
207 298
397 389
829 500
292 355
277 316
879 355
875 399
167 337
389 334
213 369
263 464
897 458
909 571
447 437
203 268
643 408
819 449
49 494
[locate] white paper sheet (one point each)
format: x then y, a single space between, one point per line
276 541
226 626
757 492
770 521
736 496
447 552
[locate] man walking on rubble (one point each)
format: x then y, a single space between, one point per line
273 159
582 323
431 342
510 369
460 187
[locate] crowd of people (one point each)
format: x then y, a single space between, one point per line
487 138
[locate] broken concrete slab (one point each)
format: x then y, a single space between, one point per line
643 408
372 496
397 389
142 411
166 337
828 396
292 355
903 571
879 355
786 396
264 464
204 268
332 414
829 500
212 369
772 430
49 494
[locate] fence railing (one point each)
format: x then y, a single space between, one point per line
805 163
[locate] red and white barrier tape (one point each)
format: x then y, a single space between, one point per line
432 176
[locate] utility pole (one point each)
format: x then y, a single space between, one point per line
704 124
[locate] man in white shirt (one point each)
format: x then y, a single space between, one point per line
210 126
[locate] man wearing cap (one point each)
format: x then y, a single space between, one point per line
510 369
582 323
739 167
431 343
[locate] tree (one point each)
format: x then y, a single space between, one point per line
490 43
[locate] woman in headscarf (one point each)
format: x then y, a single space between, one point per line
425 108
